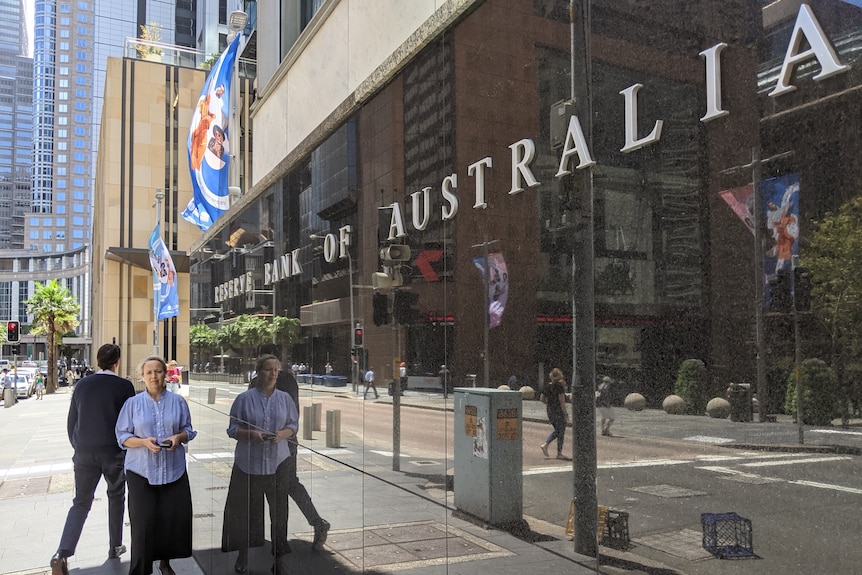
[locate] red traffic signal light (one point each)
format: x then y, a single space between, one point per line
13 333
357 336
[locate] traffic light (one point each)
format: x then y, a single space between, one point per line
357 335
403 309
780 292
381 309
13 332
802 288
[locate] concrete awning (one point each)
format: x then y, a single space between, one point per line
140 257
325 312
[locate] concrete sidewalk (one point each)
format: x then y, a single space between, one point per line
399 523
383 521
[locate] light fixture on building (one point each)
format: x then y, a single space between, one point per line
236 22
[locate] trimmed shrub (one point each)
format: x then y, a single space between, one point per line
691 385
777 373
821 396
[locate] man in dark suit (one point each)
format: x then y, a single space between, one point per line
296 490
93 413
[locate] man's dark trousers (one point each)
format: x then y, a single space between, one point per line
89 468
297 491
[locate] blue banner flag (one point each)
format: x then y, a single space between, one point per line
498 286
781 215
165 298
209 145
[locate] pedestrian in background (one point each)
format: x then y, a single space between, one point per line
603 402
554 396
7 382
40 385
262 420
369 382
93 413
174 376
152 427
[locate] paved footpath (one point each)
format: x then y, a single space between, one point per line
382 522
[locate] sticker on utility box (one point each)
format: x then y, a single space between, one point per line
470 413
507 424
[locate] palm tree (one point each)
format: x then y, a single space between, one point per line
55 311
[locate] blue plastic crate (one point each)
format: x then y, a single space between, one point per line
727 535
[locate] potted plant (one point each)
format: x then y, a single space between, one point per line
150 33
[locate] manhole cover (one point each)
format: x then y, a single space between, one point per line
685 543
30 486
668 491
408 546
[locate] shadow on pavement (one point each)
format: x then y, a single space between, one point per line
302 560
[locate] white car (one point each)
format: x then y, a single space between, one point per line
24 385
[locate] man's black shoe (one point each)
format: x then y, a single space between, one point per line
59 565
115 552
321 530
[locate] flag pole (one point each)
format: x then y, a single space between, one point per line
157 304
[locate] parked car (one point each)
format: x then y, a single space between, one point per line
24 385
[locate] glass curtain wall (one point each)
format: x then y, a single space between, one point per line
434 236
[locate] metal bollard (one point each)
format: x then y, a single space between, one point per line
211 395
317 416
307 422
333 428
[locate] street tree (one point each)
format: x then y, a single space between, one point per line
202 337
55 311
285 331
254 331
834 257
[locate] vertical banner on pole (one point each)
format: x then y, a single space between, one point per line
498 286
781 214
209 145
165 296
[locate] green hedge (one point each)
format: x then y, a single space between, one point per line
821 395
691 385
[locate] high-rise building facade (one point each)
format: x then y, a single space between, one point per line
73 40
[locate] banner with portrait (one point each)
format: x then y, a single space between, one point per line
165 297
498 285
781 215
209 145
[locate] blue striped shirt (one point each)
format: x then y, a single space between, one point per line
142 416
252 409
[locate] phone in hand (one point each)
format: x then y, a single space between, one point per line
268 436
166 443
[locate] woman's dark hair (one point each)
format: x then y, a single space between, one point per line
108 355
258 367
